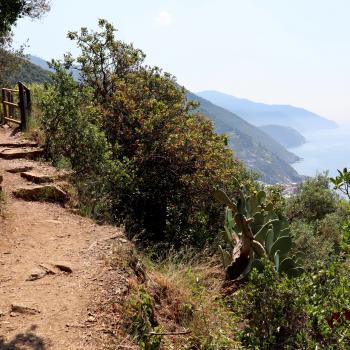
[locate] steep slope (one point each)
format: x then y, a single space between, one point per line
30 73
285 135
38 61
226 122
263 114
258 150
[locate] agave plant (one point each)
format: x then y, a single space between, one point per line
253 232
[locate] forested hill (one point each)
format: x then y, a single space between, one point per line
30 73
257 149
263 114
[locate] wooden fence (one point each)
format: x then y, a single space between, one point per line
13 100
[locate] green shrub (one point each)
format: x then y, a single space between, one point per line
143 321
318 241
314 200
73 136
270 309
300 313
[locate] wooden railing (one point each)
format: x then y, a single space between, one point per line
10 106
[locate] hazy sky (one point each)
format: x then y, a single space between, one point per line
275 51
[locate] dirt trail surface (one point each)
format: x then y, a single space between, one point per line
43 306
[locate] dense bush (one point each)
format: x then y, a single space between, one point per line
317 216
304 313
314 200
73 138
313 310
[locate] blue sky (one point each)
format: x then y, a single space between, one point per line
274 51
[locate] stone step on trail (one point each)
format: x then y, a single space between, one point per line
20 169
37 178
44 193
18 153
18 144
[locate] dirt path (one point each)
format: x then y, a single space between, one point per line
31 234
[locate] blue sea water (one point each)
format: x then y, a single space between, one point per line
324 150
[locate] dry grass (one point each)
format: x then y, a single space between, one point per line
185 292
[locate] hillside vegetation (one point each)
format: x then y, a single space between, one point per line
257 149
31 73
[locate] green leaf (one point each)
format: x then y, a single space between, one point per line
283 244
269 240
295 272
261 234
287 264
276 259
222 197
258 222
261 196
258 248
229 219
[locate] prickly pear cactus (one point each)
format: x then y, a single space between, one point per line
253 231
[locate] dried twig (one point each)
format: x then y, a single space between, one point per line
170 333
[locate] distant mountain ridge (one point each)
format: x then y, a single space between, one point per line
38 61
260 114
285 135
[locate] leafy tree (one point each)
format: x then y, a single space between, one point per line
342 182
308 312
317 217
173 156
12 10
71 124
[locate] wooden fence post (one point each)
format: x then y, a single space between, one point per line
22 105
3 96
11 108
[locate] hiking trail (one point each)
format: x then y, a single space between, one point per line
51 262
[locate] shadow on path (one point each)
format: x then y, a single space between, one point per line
23 341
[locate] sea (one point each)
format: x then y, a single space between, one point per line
324 150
